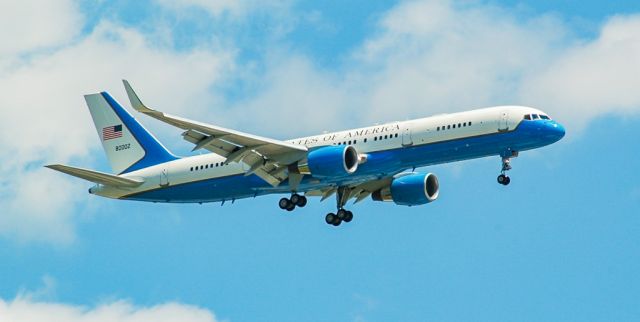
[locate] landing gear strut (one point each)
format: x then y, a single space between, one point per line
342 215
289 204
503 178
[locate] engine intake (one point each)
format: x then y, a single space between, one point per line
330 161
411 189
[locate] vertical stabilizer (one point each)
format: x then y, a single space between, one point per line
128 145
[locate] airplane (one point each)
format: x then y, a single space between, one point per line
377 161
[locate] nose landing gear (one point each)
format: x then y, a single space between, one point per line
503 178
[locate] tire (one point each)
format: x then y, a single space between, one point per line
291 206
337 222
295 198
302 201
502 179
330 218
341 214
284 203
507 181
349 217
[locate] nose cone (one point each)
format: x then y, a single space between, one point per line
554 131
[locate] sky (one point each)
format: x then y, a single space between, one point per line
560 243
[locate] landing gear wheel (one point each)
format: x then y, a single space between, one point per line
348 217
342 214
330 218
291 206
504 179
295 198
337 222
302 201
284 203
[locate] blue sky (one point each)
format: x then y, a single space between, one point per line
562 242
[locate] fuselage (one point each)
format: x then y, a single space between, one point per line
388 149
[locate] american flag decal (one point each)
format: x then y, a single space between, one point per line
112 132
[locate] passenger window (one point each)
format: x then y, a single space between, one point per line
365 140
454 126
448 127
459 125
375 138
469 123
191 169
438 128
396 134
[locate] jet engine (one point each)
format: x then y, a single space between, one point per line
329 161
410 189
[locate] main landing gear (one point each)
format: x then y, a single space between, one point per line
342 215
289 204
503 178
335 219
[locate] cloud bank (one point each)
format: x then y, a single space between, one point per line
42 98
28 310
423 58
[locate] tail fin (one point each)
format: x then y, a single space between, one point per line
128 145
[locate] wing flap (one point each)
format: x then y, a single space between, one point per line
96 176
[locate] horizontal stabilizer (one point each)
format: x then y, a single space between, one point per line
97 177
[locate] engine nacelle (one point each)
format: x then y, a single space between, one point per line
411 189
330 161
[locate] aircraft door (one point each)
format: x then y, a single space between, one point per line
164 178
406 136
503 124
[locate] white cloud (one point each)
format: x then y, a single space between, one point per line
434 56
297 99
593 78
235 9
49 123
25 309
32 24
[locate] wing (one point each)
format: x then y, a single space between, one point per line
97 177
267 158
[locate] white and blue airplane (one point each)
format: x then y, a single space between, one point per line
377 161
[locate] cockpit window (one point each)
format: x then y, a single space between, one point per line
534 116
544 117
527 117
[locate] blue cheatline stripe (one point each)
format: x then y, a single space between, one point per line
155 152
